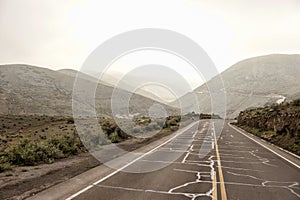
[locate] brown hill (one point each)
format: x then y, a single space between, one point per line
255 82
26 89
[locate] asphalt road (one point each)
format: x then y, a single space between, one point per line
238 166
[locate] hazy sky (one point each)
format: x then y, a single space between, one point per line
61 34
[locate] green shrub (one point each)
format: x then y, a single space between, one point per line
30 153
27 153
5 167
296 102
114 137
174 128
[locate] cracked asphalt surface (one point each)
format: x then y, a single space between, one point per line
235 168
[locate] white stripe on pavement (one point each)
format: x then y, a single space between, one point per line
265 146
130 163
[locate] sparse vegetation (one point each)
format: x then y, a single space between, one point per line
278 124
28 152
23 145
32 143
209 116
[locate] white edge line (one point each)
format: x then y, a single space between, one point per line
273 145
292 154
118 170
265 146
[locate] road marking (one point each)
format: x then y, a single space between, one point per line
286 151
264 146
222 184
190 150
187 154
130 163
215 193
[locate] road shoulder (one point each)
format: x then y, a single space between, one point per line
283 154
85 180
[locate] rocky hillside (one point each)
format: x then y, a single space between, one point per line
279 124
255 82
28 89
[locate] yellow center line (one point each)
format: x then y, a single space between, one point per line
222 185
215 193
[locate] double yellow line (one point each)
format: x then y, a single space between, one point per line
221 178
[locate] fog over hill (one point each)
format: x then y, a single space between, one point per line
26 89
151 82
255 82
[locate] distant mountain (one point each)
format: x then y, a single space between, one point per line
73 73
112 80
255 82
26 89
132 80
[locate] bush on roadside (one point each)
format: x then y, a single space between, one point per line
5 167
27 152
278 124
114 137
112 131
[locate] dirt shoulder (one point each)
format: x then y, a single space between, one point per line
23 182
